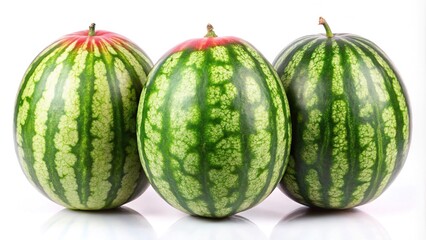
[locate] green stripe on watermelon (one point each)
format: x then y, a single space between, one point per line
75 120
351 120
213 127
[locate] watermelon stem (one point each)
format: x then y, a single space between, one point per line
328 31
210 32
92 29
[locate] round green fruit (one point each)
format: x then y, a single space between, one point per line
351 120
75 120
214 128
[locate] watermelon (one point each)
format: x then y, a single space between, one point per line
350 119
213 126
75 120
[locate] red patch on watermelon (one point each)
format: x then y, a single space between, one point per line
205 43
82 37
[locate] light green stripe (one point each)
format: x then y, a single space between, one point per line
169 64
337 79
282 120
39 144
196 59
102 142
340 165
67 136
28 91
315 69
311 133
314 188
21 119
243 57
65 54
109 48
310 136
390 129
290 181
220 74
367 159
133 61
128 94
96 50
139 52
220 53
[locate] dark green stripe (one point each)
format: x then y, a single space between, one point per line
141 186
204 146
353 147
120 141
282 61
324 159
36 62
123 137
83 148
127 134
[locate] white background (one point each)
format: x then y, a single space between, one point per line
398 27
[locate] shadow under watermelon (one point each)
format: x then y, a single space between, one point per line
230 228
306 223
119 223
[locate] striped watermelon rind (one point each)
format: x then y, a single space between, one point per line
75 120
351 120
213 127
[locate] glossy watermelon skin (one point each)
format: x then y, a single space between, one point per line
351 120
214 127
75 120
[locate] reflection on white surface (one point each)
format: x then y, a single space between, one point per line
305 223
120 223
232 228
